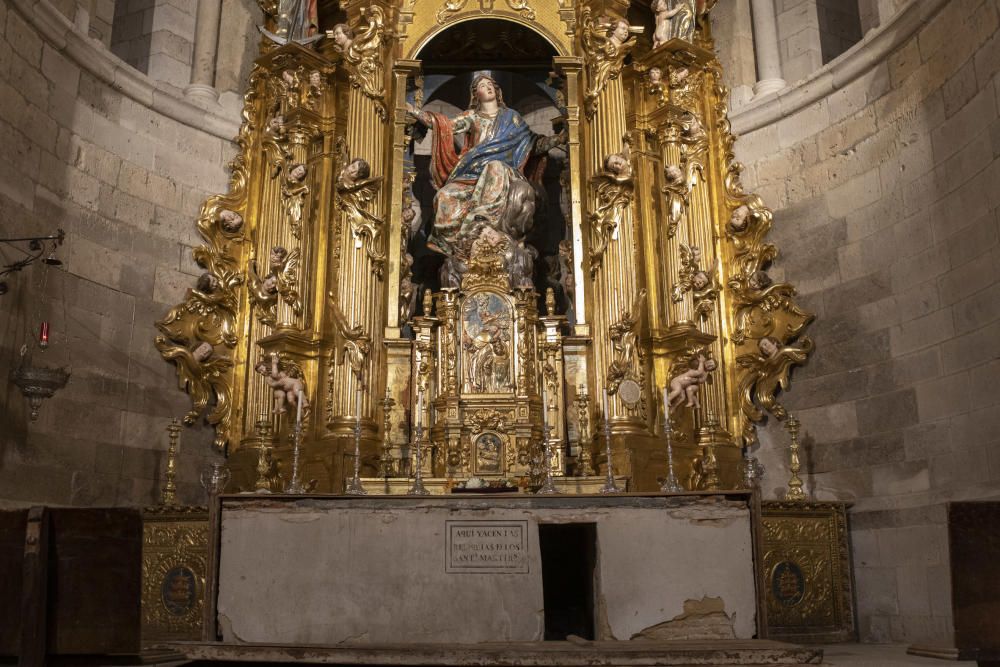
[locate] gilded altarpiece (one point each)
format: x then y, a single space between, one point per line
652 282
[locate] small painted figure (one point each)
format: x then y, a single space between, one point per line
286 388
685 386
357 170
230 221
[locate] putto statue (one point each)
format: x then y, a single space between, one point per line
675 19
286 386
489 183
296 21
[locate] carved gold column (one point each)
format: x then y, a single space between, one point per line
358 289
615 280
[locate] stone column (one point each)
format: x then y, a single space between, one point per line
206 44
765 41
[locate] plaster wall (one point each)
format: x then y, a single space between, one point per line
886 214
326 571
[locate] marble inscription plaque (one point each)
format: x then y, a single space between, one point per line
487 547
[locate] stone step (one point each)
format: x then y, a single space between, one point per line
581 653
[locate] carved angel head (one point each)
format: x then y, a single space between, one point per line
207 283
356 170
759 280
342 36
202 352
769 346
297 172
673 174
277 257
619 32
739 219
230 221
655 75
618 165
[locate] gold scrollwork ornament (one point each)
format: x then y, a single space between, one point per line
614 189
364 55
605 41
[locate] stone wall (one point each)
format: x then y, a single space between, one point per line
125 180
885 193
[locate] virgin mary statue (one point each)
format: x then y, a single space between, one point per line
486 183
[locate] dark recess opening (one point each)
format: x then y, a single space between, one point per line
568 556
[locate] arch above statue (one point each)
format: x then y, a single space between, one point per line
546 23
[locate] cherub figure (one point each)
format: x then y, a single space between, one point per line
685 386
294 191
655 76
739 219
342 36
280 280
354 173
606 43
618 166
673 22
663 15
286 388
202 352
230 221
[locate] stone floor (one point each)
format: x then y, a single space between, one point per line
879 655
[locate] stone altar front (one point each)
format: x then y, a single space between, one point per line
463 569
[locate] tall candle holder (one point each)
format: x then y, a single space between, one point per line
583 418
355 487
417 488
170 488
609 482
264 431
295 484
549 487
795 491
386 461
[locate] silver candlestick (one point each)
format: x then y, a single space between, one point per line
549 487
417 488
609 483
355 487
294 484
670 484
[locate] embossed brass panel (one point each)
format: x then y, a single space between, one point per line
805 572
174 565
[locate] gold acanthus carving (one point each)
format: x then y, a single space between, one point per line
624 340
364 57
702 284
198 335
604 55
281 280
452 7
296 88
766 323
764 373
614 189
353 344
354 199
489 419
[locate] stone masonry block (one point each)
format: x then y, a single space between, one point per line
931 329
876 590
943 397
914 597
887 412
896 479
